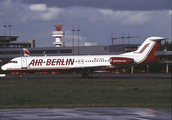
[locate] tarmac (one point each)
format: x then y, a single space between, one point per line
95 76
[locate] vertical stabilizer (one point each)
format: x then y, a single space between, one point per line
148 48
26 52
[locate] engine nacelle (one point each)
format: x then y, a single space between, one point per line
120 60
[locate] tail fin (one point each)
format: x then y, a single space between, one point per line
26 52
148 48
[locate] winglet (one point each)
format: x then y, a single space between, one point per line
26 52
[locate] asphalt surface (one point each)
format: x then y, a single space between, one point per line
86 114
95 76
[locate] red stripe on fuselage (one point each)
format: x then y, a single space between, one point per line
38 70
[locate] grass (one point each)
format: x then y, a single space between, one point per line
56 92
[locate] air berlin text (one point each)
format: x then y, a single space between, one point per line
51 62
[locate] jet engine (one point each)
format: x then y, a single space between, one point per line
120 60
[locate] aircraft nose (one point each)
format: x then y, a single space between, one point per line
4 68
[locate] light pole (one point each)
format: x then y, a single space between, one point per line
5 39
73 38
10 35
78 38
9 28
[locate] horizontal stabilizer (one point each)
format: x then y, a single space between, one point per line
157 39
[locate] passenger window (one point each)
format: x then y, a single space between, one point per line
82 61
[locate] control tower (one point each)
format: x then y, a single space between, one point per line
58 34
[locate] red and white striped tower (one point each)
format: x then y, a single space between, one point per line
58 34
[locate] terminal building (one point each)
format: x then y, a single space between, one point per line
10 49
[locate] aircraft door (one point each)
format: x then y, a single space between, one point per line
24 63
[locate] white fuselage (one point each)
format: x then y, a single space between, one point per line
53 63
145 53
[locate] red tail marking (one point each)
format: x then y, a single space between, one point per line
26 52
150 57
143 48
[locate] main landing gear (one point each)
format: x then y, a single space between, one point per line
87 74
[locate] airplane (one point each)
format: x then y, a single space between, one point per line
85 63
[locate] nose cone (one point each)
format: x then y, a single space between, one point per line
4 68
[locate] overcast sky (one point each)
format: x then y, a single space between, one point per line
97 19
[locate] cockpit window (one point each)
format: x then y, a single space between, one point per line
13 62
